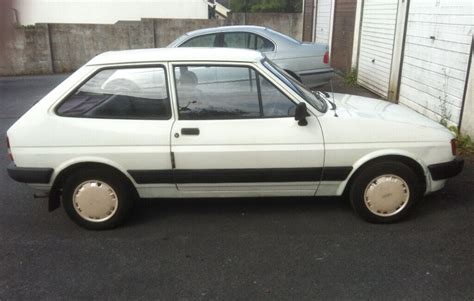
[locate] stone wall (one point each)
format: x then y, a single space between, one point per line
57 48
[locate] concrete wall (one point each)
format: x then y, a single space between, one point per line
168 30
289 24
56 48
28 53
74 44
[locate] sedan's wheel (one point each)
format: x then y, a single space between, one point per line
97 199
383 192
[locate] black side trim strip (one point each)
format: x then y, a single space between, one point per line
29 174
183 176
446 170
152 176
336 173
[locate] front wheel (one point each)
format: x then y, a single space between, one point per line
97 199
384 192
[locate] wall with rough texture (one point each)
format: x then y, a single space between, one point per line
28 52
168 30
57 48
289 24
72 45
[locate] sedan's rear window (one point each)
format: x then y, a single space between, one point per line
127 93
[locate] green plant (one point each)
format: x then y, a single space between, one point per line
445 113
465 144
25 26
266 6
351 78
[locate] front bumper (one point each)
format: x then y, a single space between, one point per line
32 175
446 170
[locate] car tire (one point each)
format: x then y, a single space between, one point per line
383 192
97 198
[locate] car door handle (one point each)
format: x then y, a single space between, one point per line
190 131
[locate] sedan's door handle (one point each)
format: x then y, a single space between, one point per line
190 131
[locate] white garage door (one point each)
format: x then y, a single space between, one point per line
379 20
323 21
435 62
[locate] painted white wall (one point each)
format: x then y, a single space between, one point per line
437 50
107 11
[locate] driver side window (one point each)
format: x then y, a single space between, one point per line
228 92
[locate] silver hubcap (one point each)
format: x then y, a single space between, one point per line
386 195
95 201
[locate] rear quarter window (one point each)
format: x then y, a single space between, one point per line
125 93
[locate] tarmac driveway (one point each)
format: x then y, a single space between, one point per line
231 249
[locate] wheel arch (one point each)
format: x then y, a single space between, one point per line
66 169
416 165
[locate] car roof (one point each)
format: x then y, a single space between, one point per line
176 54
226 28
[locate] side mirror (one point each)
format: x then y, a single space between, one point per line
300 114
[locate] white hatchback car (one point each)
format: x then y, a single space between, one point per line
176 123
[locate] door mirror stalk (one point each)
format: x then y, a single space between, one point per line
300 114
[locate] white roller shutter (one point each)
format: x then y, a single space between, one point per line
379 20
435 61
322 30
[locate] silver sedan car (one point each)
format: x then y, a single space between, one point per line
307 62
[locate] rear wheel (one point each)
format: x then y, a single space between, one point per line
383 192
97 199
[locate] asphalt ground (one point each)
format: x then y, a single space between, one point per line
230 249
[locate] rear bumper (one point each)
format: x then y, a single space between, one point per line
316 78
446 170
29 174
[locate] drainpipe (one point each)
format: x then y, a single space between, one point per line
16 18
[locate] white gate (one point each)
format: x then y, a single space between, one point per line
322 30
377 35
435 61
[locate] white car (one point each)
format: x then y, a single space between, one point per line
186 123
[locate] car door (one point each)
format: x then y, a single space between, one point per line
236 135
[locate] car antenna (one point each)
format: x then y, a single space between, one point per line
333 100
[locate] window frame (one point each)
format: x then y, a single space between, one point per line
249 67
257 35
117 67
264 38
216 40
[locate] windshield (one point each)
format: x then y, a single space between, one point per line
313 99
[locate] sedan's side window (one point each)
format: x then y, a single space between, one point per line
201 41
264 45
227 92
237 40
127 93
